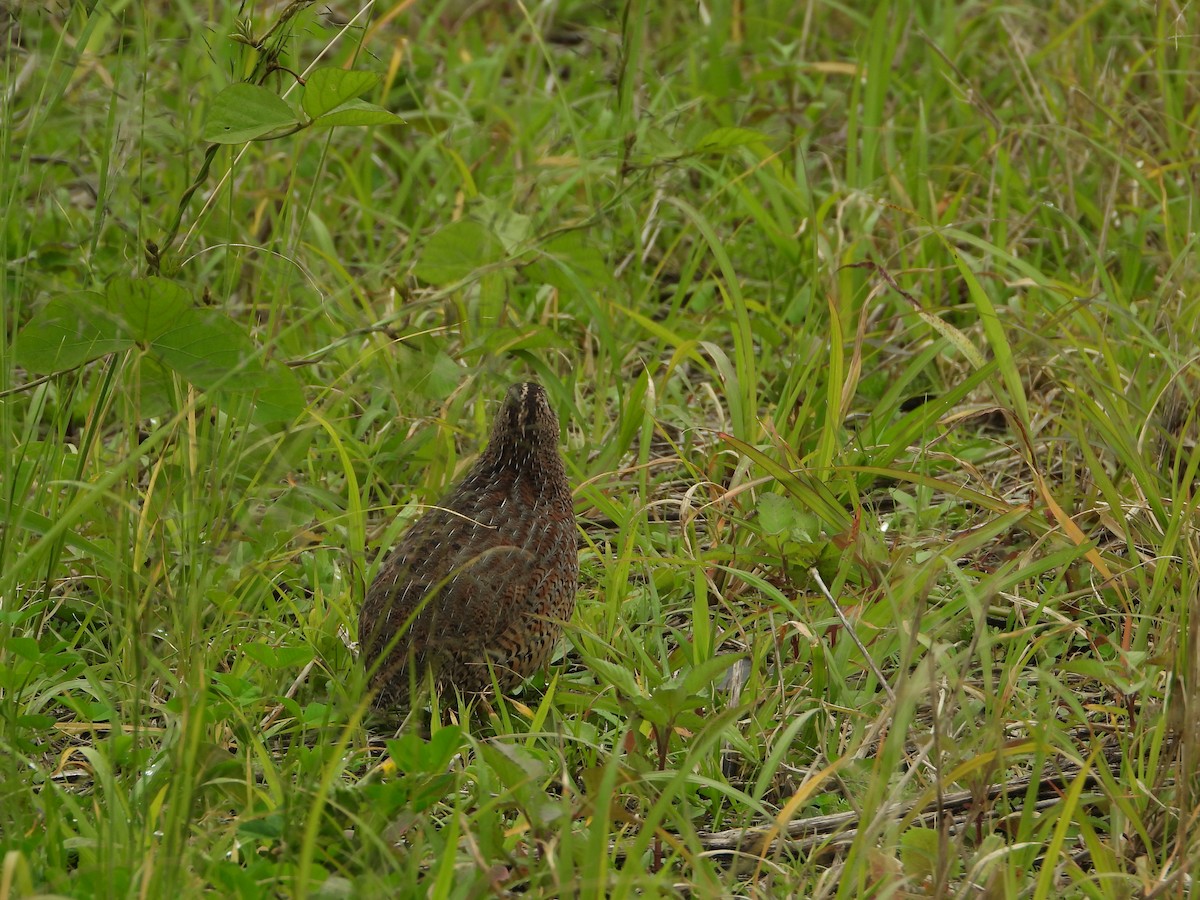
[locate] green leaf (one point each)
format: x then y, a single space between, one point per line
782 517
206 348
515 765
961 342
278 395
810 491
244 112
314 713
442 376
427 791
279 657
16 516
721 140
267 828
511 227
570 263
776 514
663 706
25 647
700 677
444 744
458 251
147 306
35 722
618 676
358 112
409 753
156 386
997 337
210 351
920 852
329 87
214 353
70 330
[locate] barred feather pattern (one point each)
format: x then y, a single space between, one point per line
481 585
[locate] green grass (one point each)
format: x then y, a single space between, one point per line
899 303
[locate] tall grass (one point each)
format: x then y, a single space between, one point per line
897 302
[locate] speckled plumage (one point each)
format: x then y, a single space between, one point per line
486 576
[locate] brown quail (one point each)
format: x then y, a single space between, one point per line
483 582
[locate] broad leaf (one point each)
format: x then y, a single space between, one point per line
69 331
458 251
358 112
147 306
279 657
782 516
511 227
699 678
618 676
243 112
570 263
201 345
212 352
277 396
721 140
414 755
328 88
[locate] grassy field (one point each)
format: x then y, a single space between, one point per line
872 333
